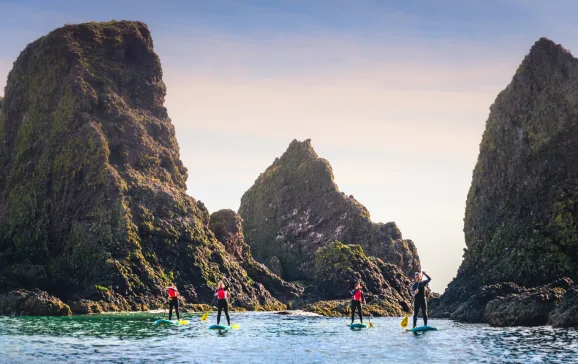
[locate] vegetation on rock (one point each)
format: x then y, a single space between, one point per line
93 203
294 208
32 303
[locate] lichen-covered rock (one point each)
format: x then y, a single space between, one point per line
521 221
294 208
227 227
566 314
32 303
92 189
338 267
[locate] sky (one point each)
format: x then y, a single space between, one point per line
393 94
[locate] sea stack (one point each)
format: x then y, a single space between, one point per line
93 202
294 208
521 220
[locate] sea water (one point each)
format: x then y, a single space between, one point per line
267 337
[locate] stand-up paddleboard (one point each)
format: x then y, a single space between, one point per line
171 322
220 327
357 325
421 329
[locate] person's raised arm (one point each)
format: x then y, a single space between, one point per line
428 278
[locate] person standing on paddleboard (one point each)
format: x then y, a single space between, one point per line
419 301
173 301
222 297
356 298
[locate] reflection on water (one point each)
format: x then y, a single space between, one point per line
267 337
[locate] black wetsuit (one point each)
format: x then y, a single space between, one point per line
419 301
356 305
223 305
174 302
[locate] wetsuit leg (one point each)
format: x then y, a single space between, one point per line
226 308
170 308
416 306
359 308
352 306
424 311
220 308
177 308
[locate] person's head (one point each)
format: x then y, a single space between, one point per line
221 285
357 285
172 285
417 276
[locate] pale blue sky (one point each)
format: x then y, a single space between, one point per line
394 94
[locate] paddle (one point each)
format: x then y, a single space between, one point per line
370 317
206 314
404 321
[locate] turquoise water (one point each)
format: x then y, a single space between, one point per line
265 337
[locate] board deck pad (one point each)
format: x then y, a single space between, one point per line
422 328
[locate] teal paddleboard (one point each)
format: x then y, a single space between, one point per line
357 325
422 328
171 322
219 327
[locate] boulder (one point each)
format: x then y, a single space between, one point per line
22 302
566 314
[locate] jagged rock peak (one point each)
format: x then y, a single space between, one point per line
295 207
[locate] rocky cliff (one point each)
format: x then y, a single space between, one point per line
228 229
295 208
93 207
521 221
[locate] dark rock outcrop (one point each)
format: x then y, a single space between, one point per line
294 208
338 267
566 314
227 227
530 308
93 203
521 221
32 303
508 304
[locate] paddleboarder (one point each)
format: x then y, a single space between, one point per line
419 300
173 301
356 298
222 297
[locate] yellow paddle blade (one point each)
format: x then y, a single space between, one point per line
205 315
370 324
235 326
405 321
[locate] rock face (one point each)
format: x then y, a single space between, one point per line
93 203
566 314
521 221
294 208
226 225
32 303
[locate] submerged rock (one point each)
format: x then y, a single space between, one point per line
566 314
32 303
92 188
294 208
521 210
